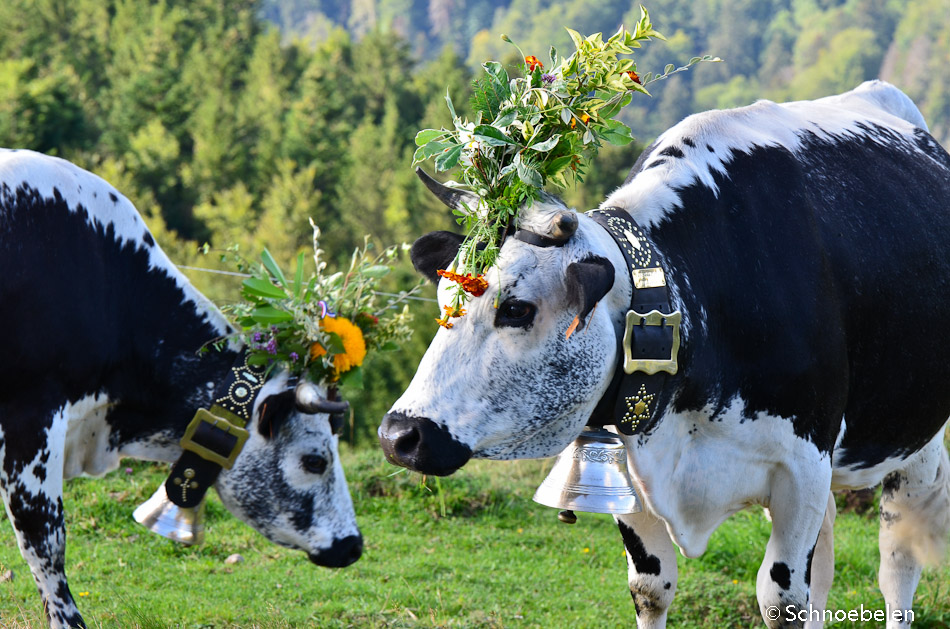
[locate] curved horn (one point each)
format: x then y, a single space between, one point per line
309 401
455 199
563 226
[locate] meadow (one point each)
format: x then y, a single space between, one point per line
470 550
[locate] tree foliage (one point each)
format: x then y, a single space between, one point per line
235 121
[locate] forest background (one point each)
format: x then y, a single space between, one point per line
234 121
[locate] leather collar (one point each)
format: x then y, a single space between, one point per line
651 339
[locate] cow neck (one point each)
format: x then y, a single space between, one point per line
650 341
216 435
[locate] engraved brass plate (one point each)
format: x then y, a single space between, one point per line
204 416
651 366
648 278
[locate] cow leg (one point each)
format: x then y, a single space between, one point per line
822 565
915 519
651 567
32 493
782 583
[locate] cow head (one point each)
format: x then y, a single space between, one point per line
287 482
507 381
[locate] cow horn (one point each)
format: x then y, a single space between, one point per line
310 401
563 226
451 197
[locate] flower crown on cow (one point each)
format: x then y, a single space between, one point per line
531 131
322 327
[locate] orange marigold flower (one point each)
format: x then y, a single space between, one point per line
475 286
454 311
634 76
444 322
533 63
354 345
584 119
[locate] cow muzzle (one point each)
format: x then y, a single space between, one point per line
420 445
342 552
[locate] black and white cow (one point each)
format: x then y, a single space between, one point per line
806 246
99 361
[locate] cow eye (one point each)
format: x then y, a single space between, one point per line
314 463
514 313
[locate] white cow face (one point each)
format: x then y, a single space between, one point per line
505 381
288 483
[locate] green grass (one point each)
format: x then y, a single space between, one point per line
471 550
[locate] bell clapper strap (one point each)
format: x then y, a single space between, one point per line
651 338
215 436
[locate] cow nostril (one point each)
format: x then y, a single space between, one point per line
407 442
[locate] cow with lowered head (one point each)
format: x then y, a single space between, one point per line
101 361
805 246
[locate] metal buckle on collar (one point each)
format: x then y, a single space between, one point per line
651 366
222 433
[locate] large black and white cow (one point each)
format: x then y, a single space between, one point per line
806 246
100 360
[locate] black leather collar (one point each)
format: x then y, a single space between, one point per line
651 339
215 436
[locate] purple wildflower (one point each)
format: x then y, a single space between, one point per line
272 346
548 78
257 337
128 470
294 356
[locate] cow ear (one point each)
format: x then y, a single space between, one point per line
587 283
434 251
275 409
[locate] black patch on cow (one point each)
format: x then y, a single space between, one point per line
644 562
587 282
673 151
302 514
434 251
147 239
667 585
710 148
114 198
781 575
892 484
688 142
40 472
128 331
791 268
654 164
808 561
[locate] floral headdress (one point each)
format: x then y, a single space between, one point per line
322 327
531 131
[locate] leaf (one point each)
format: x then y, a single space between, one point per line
669 68
448 101
496 71
529 175
448 158
427 135
490 136
298 276
566 115
575 37
272 267
268 315
547 145
389 346
505 118
376 271
559 164
335 344
262 288
256 359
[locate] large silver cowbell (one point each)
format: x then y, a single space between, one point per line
590 475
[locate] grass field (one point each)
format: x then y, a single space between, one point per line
471 550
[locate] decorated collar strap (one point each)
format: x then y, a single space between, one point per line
215 436
651 338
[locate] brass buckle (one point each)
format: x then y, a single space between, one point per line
205 416
651 366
